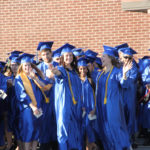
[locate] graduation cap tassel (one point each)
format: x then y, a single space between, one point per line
73 99
105 99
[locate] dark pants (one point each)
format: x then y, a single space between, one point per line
49 146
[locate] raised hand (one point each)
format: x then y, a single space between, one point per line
56 71
50 66
32 74
127 67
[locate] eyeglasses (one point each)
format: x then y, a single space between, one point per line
126 57
57 58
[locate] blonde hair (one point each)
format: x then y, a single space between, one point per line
39 72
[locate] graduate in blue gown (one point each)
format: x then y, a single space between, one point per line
89 103
130 92
109 103
48 137
145 113
8 132
29 87
68 103
12 101
3 87
46 55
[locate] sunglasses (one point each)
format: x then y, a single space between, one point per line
126 57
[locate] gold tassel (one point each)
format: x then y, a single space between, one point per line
105 99
70 87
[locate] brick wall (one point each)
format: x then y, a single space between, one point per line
83 23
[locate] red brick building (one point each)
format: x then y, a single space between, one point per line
83 23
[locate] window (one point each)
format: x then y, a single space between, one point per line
136 5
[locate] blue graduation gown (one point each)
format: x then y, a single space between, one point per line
111 120
89 105
49 127
94 74
12 110
146 75
3 86
68 115
28 124
146 106
146 114
130 99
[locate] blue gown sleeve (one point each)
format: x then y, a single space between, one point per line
3 83
119 77
132 74
21 94
47 82
146 76
63 75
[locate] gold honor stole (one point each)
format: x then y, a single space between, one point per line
70 87
105 99
28 88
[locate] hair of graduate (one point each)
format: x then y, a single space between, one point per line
114 61
6 68
45 50
73 64
39 72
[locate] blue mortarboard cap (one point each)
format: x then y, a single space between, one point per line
13 55
25 58
124 45
2 64
146 57
82 61
66 48
98 60
128 51
56 53
44 45
116 53
90 59
91 53
15 52
109 50
78 51
14 58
